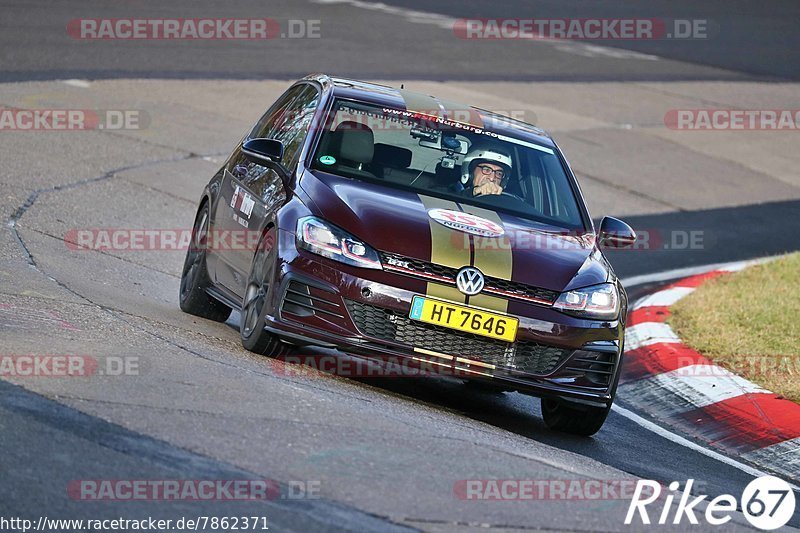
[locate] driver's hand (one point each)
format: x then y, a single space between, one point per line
487 188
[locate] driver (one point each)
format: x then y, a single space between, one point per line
485 171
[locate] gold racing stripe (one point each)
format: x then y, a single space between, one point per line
493 257
446 249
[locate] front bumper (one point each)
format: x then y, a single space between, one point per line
364 312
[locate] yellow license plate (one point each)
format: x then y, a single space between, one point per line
463 318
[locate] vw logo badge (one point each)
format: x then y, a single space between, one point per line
469 280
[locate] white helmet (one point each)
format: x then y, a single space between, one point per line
489 155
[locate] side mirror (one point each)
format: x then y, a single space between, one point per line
614 233
260 151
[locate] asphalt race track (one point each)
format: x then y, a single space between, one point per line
350 454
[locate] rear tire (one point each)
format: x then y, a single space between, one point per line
193 297
254 304
578 419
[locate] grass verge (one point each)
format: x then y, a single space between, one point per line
749 323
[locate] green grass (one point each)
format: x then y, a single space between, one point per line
749 323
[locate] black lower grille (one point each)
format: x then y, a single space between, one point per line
299 300
385 324
597 366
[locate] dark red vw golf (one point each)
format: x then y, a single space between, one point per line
384 222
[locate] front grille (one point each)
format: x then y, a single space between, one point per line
388 325
419 266
424 269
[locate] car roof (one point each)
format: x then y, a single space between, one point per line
384 95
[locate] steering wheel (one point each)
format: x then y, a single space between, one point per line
504 193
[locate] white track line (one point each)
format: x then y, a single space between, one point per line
677 439
447 23
83 84
667 275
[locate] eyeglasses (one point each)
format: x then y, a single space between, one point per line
488 171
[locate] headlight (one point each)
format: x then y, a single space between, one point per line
323 238
598 301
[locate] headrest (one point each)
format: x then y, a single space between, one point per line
390 156
355 142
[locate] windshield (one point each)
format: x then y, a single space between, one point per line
451 160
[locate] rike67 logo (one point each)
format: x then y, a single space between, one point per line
767 503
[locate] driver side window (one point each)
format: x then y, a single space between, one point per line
289 121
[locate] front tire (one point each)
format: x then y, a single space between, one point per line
193 297
578 419
254 305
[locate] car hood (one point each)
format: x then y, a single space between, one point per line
398 221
